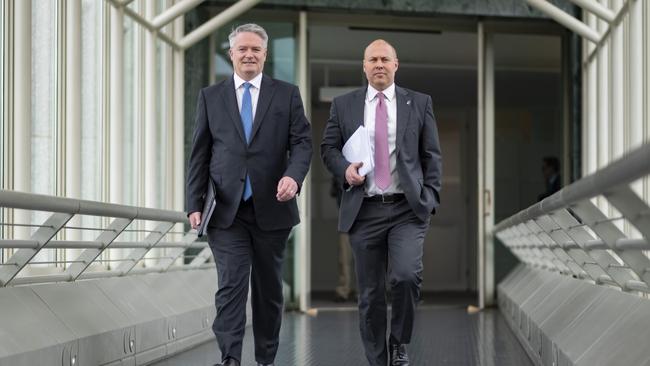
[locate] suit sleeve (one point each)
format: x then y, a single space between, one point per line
430 155
332 144
300 143
199 163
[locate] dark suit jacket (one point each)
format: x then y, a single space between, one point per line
280 145
419 162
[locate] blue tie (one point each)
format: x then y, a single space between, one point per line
247 121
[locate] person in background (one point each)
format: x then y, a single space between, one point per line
552 179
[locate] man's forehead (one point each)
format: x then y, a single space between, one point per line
249 37
379 49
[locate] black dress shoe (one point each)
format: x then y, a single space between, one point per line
228 362
264 364
398 356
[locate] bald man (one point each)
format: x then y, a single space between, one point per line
387 212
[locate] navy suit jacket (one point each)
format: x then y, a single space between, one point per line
280 145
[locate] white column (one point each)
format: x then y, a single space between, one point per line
636 78
151 186
592 112
168 118
636 73
602 56
73 115
302 247
116 122
22 121
489 170
116 180
584 142
151 127
480 239
178 156
485 149
617 143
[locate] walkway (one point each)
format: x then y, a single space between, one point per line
444 335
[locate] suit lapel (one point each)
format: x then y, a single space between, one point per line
267 89
357 107
403 112
230 101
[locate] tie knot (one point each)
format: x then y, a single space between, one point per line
247 85
380 95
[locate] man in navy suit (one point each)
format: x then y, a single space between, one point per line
253 140
387 212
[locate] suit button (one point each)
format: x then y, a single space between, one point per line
241 179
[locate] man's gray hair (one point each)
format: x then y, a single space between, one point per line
251 28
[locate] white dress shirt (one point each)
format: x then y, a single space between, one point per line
369 123
255 90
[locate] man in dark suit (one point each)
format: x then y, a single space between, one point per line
253 140
552 179
386 212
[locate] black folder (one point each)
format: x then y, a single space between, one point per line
208 207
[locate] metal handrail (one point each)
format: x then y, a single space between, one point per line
120 217
569 234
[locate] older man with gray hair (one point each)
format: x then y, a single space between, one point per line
252 141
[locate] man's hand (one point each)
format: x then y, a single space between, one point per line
287 189
195 220
352 175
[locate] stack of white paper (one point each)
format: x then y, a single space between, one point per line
357 150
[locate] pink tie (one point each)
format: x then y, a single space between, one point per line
382 169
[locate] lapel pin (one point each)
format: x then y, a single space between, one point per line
408 102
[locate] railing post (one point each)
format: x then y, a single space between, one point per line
43 235
87 257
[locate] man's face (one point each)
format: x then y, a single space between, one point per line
547 170
248 55
380 65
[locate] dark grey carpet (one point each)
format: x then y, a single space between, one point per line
444 335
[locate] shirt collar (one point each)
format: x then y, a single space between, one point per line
257 81
389 92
